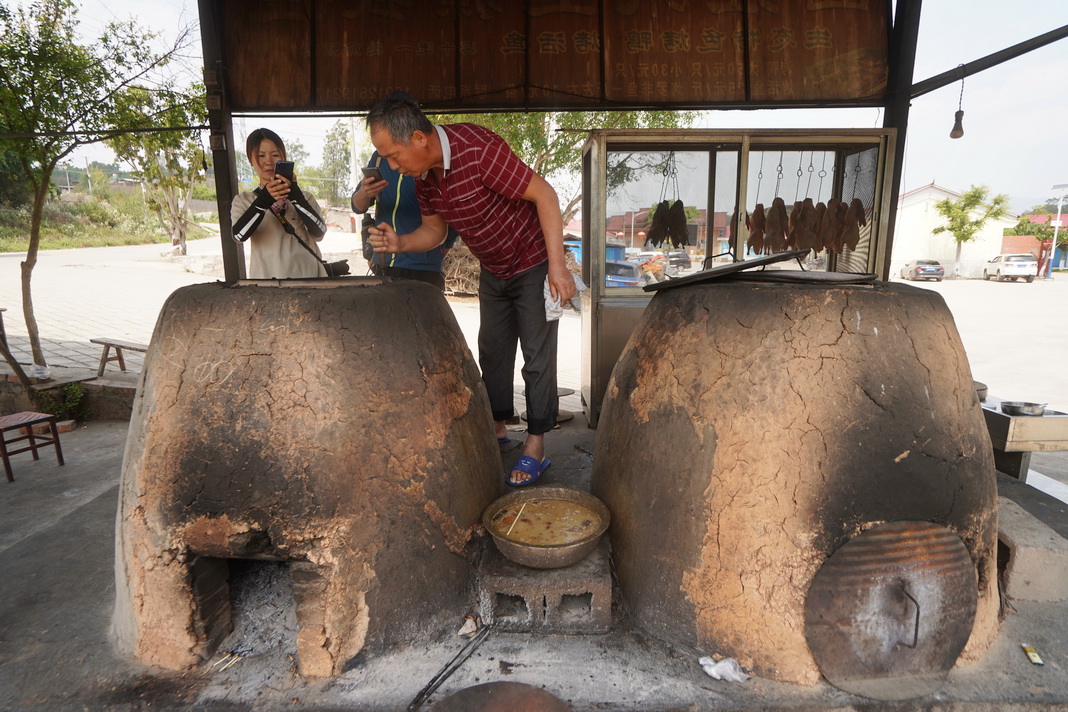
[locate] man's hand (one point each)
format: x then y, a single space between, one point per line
383 238
561 283
367 192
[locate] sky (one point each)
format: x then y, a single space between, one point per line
1016 114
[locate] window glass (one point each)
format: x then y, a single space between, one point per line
657 201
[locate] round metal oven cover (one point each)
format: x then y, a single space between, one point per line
889 612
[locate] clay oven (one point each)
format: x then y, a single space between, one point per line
795 469
340 426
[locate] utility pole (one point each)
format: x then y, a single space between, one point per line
354 165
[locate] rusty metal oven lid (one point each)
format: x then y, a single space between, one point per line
714 273
746 270
890 611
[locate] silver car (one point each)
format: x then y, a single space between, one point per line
1011 267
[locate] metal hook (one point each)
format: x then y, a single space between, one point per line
916 626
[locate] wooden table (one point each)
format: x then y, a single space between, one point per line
1015 437
27 420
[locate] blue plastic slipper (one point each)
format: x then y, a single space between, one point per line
532 467
504 440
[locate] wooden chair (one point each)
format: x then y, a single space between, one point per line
26 420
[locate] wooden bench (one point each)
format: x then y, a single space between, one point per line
119 347
24 422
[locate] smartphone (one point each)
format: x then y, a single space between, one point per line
372 172
285 169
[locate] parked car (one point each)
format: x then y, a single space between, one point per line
622 274
679 258
923 269
1012 267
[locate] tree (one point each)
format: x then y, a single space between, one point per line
169 163
57 95
551 142
296 152
961 219
335 167
1043 232
1047 208
13 190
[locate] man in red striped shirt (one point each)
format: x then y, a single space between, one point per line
509 217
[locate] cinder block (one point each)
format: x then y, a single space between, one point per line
574 599
1037 566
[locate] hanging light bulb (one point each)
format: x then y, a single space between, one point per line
958 126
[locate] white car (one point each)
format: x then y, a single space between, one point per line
1012 267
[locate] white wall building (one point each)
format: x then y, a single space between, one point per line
913 239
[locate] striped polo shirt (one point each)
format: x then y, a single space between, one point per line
480 195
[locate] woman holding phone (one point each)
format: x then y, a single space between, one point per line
281 223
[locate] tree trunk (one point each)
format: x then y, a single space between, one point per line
956 262
27 269
24 380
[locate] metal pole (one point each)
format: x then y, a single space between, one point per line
1056 228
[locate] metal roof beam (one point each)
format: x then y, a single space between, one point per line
991 60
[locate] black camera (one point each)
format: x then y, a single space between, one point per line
336 269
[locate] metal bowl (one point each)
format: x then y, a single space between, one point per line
540 556
980 390
1022 408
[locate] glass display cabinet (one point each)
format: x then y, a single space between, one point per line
658 205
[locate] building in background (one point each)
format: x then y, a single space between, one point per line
917 217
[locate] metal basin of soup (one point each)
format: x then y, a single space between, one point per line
546 527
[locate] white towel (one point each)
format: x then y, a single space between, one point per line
553 309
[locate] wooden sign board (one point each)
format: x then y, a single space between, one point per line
472 55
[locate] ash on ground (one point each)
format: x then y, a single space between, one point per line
258 659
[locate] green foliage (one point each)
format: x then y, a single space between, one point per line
57 94
66 402
122 219
204 191
1026 227
295 152
1049 207
13 188
169 163
311 179
335 166
53 85
966 216
551 142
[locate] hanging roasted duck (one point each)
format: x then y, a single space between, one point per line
775 228
791 225
756 222
658 229
678 233
854 219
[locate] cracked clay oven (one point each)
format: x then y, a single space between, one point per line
337 426
800 477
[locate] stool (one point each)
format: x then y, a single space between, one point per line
27 420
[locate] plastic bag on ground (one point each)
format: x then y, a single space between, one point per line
726 669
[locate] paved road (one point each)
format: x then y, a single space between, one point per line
1013 332
118 292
